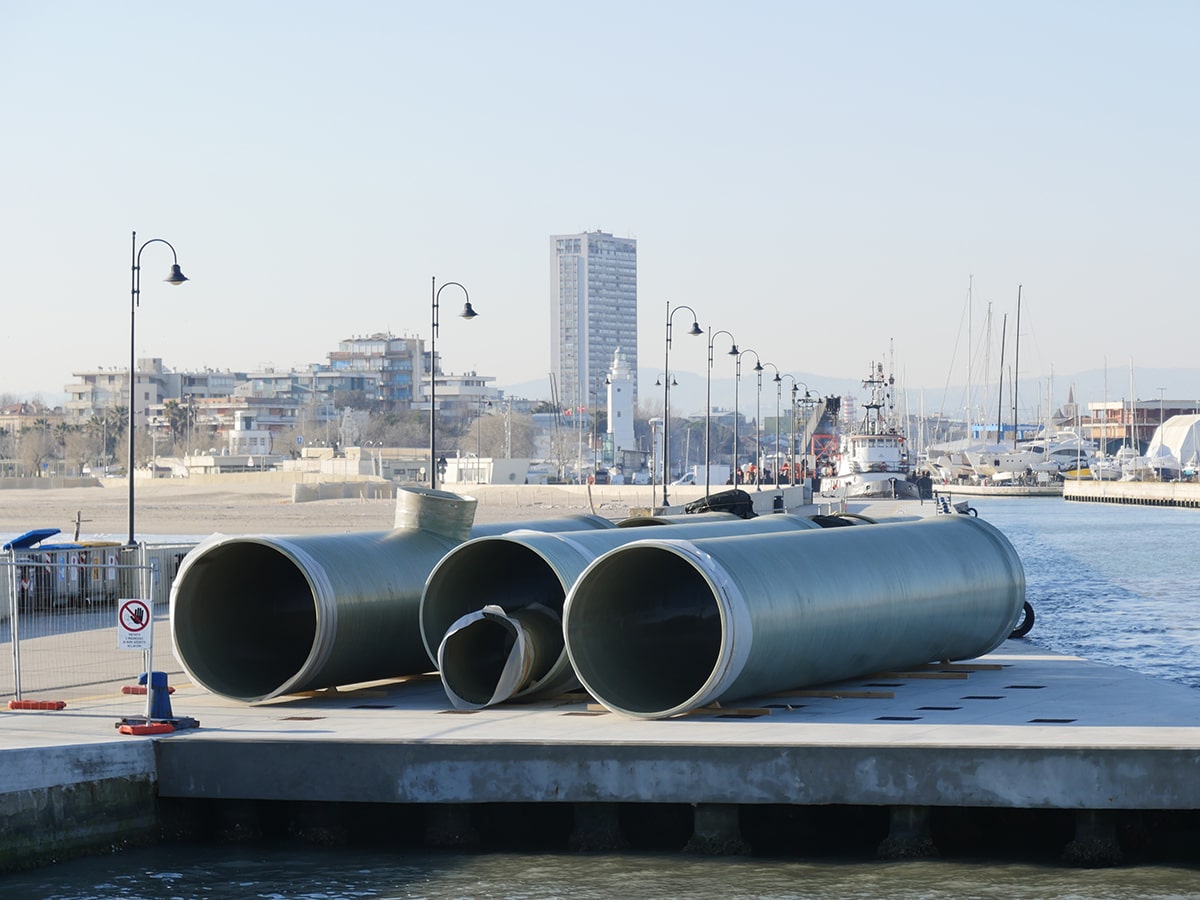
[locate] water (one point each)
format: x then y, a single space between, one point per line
240 873
1115 584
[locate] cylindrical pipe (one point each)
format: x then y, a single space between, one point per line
660 627
525 569
676 519
505 652
254 617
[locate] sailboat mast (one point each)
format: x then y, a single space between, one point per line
971 350
1016 367
1000 388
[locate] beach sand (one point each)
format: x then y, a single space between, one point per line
172 507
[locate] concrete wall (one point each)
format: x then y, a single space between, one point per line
1141 493
59 802
59 481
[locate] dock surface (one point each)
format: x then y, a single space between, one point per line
1020 727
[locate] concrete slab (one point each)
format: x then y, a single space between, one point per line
1021 727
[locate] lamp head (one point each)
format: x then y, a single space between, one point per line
176 276
468 311
733 350
758 366
695 328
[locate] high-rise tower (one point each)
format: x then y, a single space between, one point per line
593 312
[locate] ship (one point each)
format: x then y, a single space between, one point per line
872 458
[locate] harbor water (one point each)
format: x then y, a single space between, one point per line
1115 584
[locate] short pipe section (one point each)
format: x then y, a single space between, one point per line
488 656
657 627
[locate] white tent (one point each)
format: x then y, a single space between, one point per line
1176 444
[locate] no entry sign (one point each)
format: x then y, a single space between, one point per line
133 625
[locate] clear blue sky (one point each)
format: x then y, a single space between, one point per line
819 178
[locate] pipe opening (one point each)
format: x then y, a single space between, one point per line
244 620
486 643
643 629
486 573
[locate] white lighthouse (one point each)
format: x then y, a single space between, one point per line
620 405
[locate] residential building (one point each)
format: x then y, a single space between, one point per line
379 370
461 395
247 438
593 311
393 365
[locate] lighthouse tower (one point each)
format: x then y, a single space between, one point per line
620 405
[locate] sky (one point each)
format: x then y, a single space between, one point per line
830 182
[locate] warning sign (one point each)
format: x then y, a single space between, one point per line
133 625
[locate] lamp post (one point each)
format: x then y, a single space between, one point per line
758 430
737 381
733 351
467 313
376 466
792 439
479 436
694 330
595 410
666 382
176 277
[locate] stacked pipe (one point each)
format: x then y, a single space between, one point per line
660 627
255 617
491 612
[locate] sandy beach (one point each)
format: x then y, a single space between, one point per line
179 508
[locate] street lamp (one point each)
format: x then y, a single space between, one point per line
694 330
376 462
595 412
733 351
792 435
467 313
758 425
176 277
479 436
737 381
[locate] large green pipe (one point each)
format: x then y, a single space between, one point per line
473 612
255 617
660 627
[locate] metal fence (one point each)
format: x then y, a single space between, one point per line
60 609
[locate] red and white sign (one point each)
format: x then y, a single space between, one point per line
133 625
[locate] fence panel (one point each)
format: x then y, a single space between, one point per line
59 610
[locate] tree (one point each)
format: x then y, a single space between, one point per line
37 447
502 435
180 418
78 449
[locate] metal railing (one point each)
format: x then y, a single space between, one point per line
60 610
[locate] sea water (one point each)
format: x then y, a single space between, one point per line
1115 584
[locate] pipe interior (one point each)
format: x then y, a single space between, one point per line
244 619
475 657
644 629
474 575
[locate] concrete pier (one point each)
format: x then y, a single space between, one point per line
1138 493
937 752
